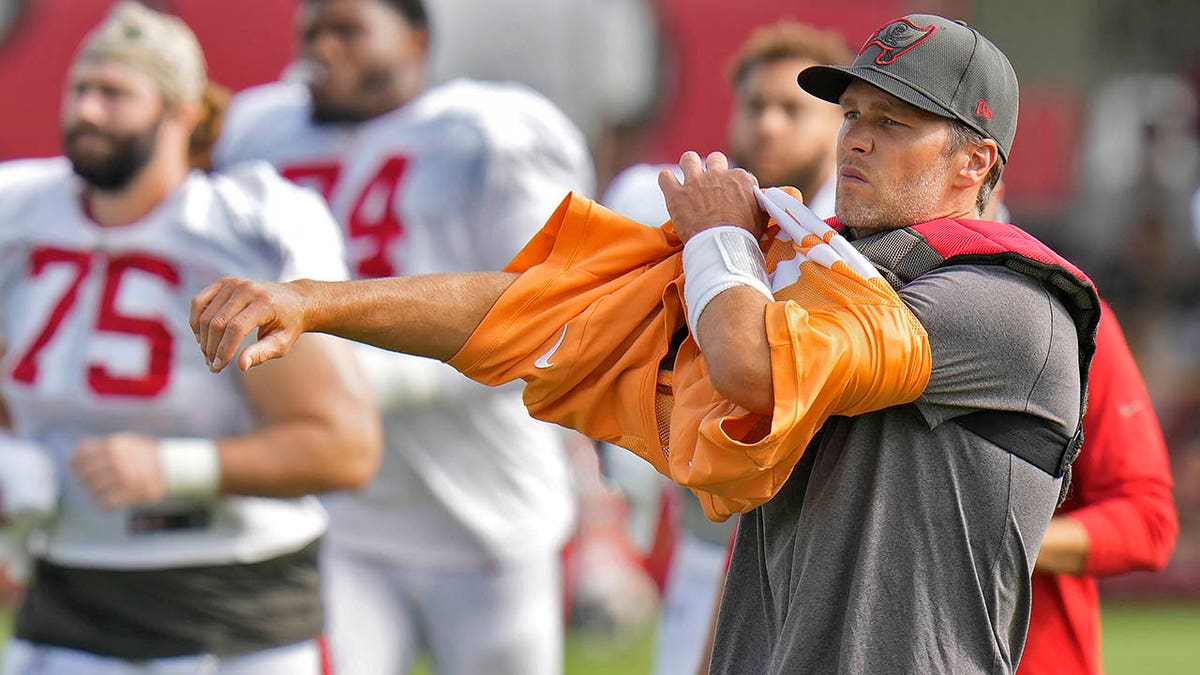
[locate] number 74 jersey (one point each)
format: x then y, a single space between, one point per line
458 179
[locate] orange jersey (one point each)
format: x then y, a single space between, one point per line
591 318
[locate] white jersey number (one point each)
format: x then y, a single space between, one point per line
109 319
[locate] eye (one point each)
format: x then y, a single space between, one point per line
889 122
347 31
850 115
112 93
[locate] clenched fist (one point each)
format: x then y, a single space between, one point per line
120 470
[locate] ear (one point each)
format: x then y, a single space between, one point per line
188 114
420 41
977 161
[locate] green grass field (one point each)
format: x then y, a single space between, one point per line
1151 638
1139 639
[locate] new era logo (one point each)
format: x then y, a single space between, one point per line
983 110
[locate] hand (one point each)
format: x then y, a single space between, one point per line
226 312
120 470
1064 548
711 194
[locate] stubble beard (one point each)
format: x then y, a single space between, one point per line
889 207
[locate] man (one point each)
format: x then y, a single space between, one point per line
777 131
784 136
168 524
890 520
450 178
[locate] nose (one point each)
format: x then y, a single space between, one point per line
854 138
771 122
323 46
86 105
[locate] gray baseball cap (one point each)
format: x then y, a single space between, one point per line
944 67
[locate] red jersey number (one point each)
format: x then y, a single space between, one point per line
320 176
109 319
374 223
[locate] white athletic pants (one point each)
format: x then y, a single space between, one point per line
694 585
501 621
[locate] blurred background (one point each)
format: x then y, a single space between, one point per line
1105 168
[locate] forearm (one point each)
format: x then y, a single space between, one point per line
1135 531
429 316
732 335
319 428
294 459
1064 548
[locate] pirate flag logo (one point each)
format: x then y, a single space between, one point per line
897 38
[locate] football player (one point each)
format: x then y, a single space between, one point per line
169 527
455 548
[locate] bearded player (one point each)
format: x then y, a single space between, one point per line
168 526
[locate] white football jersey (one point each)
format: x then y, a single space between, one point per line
96 341
456 180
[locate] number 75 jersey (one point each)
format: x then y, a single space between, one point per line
94 320
458 179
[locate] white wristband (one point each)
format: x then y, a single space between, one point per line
191 467
28 479
717 259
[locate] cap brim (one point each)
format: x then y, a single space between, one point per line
830 82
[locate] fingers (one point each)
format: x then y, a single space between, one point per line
119 470
200 301
271 346
716 161
223 315
668 182
711 194
218 300
87 462
247 317
690 165
223 331
98 474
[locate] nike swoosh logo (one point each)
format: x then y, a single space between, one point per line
544 360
